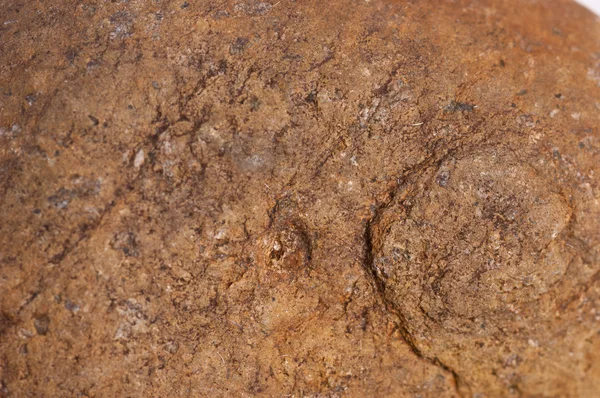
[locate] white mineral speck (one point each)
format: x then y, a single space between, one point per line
139 159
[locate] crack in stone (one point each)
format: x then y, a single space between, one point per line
368 258
380 287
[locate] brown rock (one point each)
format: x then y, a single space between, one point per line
232 198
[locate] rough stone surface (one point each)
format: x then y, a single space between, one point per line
297 198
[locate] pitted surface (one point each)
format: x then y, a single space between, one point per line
388 198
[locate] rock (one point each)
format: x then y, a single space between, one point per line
272 198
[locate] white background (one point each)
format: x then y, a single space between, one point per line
593 5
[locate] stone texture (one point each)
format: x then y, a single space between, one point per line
351 198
